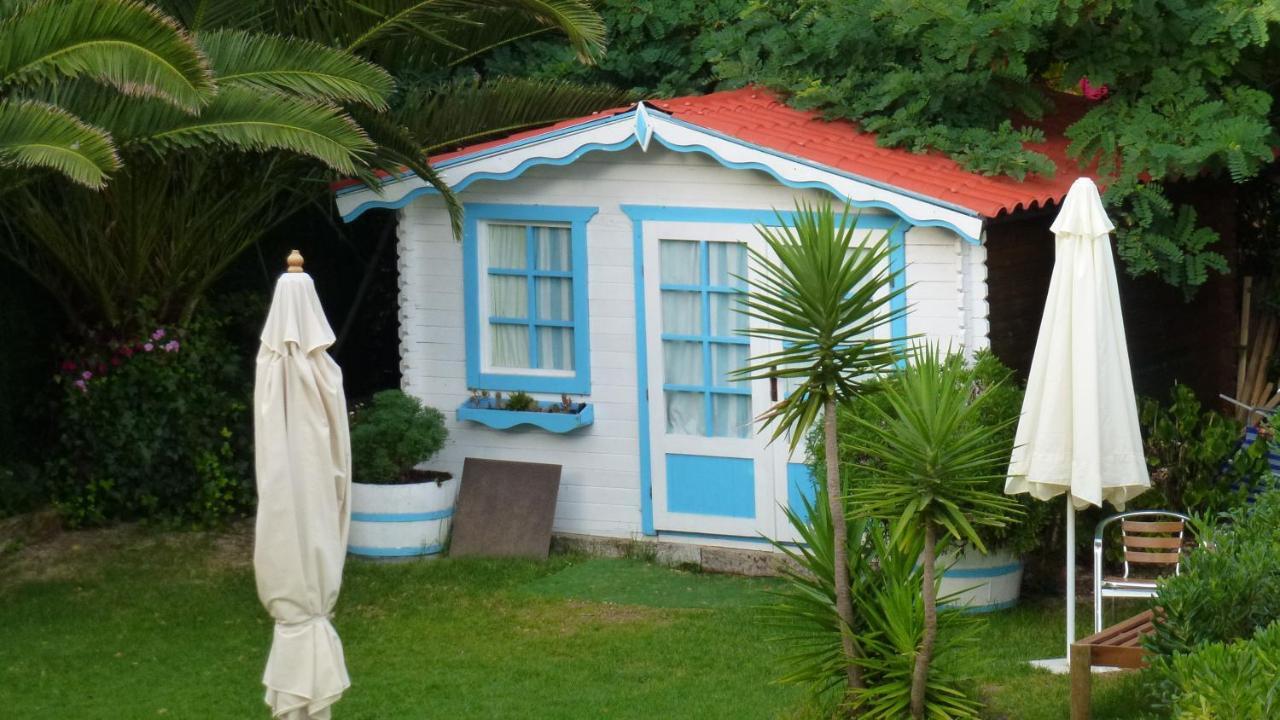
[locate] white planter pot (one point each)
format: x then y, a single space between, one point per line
982 583
401 520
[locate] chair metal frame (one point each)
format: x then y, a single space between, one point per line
1126 587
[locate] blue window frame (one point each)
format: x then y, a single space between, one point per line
525 286
701 283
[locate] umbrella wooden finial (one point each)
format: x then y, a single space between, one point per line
295 261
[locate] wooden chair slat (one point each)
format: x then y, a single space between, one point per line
1141 541
1132 526
1165 558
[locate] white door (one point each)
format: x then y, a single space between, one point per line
712 472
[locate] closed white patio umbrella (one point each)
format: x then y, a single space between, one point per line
303 463
1078 434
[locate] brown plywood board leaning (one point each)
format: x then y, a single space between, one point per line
505 509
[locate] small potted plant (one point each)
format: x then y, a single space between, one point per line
520 408
398 509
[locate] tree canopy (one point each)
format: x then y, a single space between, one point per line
1181 88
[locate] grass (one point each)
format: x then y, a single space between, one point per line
132 624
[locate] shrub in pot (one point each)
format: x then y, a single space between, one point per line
397 509
989 580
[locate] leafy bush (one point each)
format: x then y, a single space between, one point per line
391 435
154 428
1227 590
889 620
1194 457
1228 681
1002 393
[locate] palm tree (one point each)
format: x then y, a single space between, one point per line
825 297
935 466
132 48
184 206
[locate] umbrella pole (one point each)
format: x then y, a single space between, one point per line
1071 574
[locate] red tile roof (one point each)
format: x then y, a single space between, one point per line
757 116
761 118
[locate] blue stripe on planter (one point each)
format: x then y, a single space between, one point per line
394 552
401 517
990 572
977 609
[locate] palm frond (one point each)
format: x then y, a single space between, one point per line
824 293
468 110
34 134
207 15
128 45
396 150
292 65
238 118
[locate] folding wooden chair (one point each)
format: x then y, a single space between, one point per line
1150 537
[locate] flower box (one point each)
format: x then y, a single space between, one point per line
483 411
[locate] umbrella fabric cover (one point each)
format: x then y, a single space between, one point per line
1079 426
303 464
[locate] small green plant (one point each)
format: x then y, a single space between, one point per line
889 620
520 401
154 428
1194 456
932 479
1227 681
391 435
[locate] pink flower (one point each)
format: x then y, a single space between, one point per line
158 334
1093 92
115 361
85 376
126 351
148 347
80 384
171 346
68 366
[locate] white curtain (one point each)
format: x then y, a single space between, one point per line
553 249
508 296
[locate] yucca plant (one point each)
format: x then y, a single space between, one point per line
826 297
932 479
889 619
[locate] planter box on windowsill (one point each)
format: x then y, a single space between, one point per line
485 413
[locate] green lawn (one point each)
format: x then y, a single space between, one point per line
132 624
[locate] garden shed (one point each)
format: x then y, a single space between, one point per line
598 266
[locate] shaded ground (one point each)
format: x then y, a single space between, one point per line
131 623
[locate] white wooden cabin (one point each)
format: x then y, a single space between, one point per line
596 263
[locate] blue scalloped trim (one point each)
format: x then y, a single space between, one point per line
507 419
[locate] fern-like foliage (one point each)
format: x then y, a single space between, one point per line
129 45
35 134
468 110
300 67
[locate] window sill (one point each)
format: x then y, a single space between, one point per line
507 419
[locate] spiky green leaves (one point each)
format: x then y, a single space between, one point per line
935 459
34 134
824 291
300 67
128 45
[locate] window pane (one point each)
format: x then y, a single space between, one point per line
725 318
685 413
680 262
726 260
731 415
725 359
508 247
555 348
508 296
555 298
682 362
552 248
681 312
509 346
